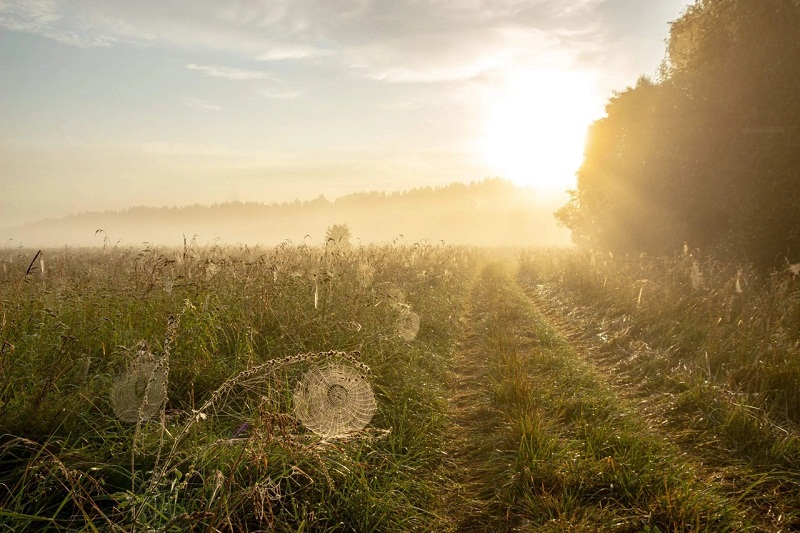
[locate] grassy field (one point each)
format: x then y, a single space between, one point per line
74 320
549 391
710 353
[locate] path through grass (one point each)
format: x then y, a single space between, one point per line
542 442
493 414
733 445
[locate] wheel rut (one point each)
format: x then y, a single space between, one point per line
470 417
471 502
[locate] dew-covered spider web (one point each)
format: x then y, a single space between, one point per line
140 391
408 322
334 400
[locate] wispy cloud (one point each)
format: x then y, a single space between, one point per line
281 53
215 71
28 15
423 41
47 18
285 95
446 41
461 55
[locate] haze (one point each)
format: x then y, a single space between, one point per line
109 105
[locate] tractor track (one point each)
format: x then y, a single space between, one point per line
471 419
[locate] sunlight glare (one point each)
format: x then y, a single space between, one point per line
536 128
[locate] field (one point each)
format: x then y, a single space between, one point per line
534 390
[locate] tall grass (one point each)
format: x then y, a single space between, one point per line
224 451
718 323
718 341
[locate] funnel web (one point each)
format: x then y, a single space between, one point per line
334 400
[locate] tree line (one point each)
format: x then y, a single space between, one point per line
708 153
491 212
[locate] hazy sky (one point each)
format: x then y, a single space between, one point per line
107 104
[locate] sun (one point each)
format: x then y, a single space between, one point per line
536 128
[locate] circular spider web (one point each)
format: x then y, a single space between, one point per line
141 390
334 400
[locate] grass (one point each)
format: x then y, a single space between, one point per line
722 356
579 393
565 452
239 316
735 329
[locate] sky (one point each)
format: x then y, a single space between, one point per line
108 104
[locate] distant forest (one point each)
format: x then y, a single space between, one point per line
492 212
707 154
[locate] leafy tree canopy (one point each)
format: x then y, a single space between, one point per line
708 153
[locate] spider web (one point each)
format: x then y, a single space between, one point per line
408 323
141 390
334 400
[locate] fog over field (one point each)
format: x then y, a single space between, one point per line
488 213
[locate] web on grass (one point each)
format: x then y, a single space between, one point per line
140 391
408 322
334 400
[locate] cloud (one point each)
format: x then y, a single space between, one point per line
286 95
459 57
238 74
401 42
28 15
281 53
46 18
438 41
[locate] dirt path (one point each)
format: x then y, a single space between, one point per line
475 425
469 417
498 482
